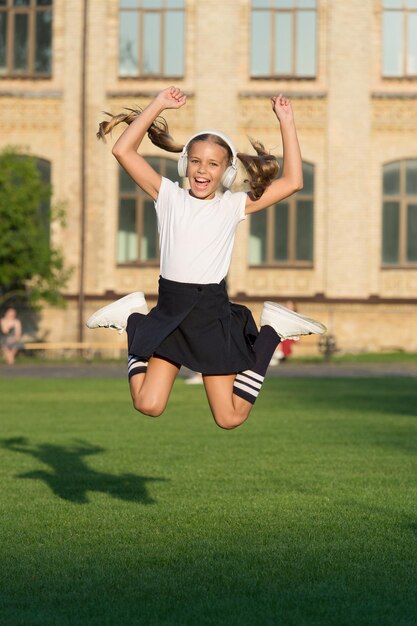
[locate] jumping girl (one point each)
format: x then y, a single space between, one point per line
193 323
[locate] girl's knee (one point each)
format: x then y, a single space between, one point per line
229 421
149 406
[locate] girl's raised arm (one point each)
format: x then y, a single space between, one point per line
126 147
291 179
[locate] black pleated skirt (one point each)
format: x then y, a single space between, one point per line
196 326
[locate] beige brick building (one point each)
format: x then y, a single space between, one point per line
351 261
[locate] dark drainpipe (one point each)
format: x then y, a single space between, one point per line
83 168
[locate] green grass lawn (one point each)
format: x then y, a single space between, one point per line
306 515
365 357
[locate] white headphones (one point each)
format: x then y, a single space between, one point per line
230 173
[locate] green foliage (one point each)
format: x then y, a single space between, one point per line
29 264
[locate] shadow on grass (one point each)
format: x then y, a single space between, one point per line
70 477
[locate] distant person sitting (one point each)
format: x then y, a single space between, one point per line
10 335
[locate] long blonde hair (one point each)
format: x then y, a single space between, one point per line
261 169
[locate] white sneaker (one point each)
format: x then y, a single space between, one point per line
289 324
196 379
115 315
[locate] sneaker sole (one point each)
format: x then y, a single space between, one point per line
91 322
312 326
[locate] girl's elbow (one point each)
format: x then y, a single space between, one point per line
118 155
294 187
294 184
297 184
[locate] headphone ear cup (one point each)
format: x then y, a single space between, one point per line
229 176
182 165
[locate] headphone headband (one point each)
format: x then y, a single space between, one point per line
217 133
230 173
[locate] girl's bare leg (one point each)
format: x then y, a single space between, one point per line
9 355
150 391
228 409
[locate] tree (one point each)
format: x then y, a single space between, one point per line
30 266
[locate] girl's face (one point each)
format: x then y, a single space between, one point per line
207 162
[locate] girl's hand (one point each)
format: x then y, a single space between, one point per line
171 98
282 108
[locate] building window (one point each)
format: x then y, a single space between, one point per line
151 38
399 38
25 38
283 38
138 230
399 211
283 233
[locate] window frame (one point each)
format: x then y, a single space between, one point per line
32 10
403 200
405 11
140 198
291 262
273 11
162 11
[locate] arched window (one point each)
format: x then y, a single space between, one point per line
25 37
283 233
283 38
151 38
137 241
399 211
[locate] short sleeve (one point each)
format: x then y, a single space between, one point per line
241 206
168 193
237 202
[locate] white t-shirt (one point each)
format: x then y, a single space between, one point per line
196 237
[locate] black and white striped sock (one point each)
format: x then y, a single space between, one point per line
248 384
136 365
